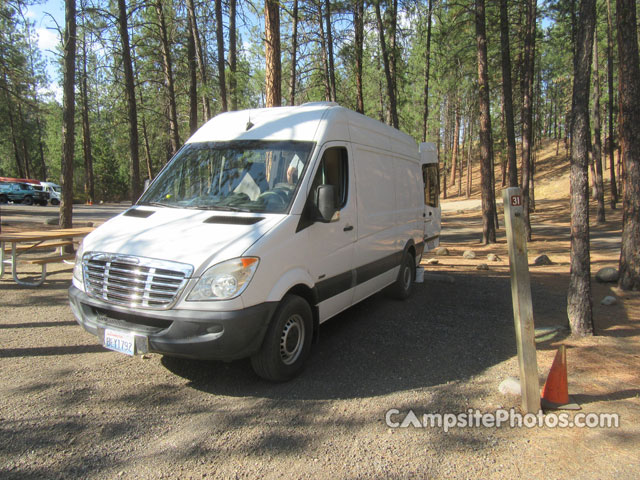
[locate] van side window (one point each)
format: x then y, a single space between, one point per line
431 180
334 170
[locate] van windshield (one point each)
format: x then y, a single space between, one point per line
245 175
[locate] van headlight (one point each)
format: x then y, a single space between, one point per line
225 280
77 267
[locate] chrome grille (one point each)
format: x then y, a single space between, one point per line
134 281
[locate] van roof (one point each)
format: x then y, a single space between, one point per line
316 121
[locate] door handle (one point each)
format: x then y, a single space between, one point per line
348 228
424 214
430 213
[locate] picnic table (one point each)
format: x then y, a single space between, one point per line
22 243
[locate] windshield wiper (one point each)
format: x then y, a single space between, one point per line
226 208
157 204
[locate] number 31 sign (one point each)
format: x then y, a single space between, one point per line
516 200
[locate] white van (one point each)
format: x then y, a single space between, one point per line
264 225
54 190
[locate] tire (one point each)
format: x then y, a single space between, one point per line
287 343
4 199
27 200
401 289
55 201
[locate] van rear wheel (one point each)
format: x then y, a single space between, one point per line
287 343
401 289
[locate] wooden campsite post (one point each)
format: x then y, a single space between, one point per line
521 297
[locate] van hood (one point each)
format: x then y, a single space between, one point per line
194 237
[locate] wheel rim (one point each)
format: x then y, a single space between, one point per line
406 277
292 339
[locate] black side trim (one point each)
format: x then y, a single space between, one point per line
344 281
138 213
373 269
432 238
335 285
229 220
419 249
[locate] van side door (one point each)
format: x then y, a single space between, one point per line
331 245
431 182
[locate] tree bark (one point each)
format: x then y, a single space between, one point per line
427 68
86 126
629 77
611 143
233 56
391 94
486 153
294 54
130 95
68 113
527 109
323 55
469 166
358 25
332 72
206 106
273 74
222 82
507 94
597 139
193 81
579 300
456 137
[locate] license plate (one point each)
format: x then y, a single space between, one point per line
120 342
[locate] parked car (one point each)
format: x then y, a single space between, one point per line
265 225
23 193
54 190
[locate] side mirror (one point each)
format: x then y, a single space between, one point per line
326 203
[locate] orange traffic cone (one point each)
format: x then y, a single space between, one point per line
555 393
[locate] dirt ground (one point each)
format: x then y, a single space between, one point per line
71 409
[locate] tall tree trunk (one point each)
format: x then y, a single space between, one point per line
486 153
629 76
358 25
323 55
469 166
193 81
456 137
427 67
25 147
579 300
86 127
222 82
507 94
597 140
273 74
130 95
392 21
294 54
206 105
12 127
391 94
527 109
611 143
167 65
332 72
68 112
233 56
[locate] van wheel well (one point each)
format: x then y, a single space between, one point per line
307 293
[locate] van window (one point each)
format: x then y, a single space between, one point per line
243 175
333 170
431 180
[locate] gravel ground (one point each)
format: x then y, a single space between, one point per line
71 409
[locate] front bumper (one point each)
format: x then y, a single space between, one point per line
183 333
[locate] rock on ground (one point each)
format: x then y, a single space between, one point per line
469 254
542 260
607 275
510 386
492 257
442 251
609 300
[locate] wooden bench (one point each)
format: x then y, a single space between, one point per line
24 248
50 259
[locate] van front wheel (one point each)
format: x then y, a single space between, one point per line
287 343
401 289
